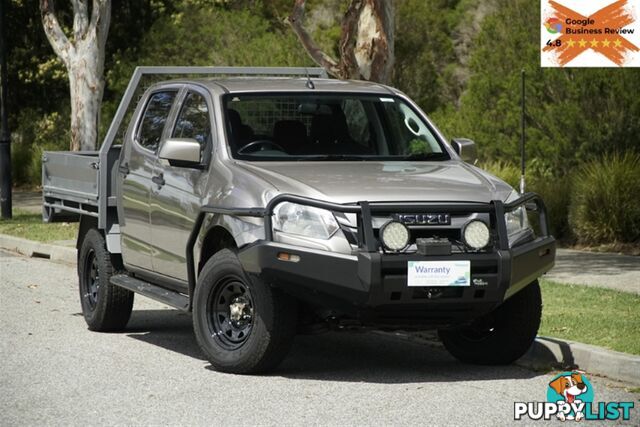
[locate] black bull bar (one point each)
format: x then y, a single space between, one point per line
364 212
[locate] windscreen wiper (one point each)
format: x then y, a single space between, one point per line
426 156
333 157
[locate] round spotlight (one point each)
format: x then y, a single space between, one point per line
476 234
394 235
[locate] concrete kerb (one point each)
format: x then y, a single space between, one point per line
551 353
38 249
545 353
561 354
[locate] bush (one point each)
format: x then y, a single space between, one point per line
553 189
605 206
36 133
506 171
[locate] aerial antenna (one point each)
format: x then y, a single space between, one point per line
522 137
309 83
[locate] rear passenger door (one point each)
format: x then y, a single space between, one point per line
136 172
176 203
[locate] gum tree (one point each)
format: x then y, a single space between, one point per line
366 43
83 56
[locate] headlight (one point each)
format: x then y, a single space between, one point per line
304 221
394 236
476 234
517 221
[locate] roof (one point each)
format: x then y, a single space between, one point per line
288 84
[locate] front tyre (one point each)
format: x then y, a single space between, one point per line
502 336
242 326
106 307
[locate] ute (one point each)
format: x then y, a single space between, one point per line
272 201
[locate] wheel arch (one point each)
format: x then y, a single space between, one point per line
212 232
215 239
86 224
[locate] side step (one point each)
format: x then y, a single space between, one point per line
172 298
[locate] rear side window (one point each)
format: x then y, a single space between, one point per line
154 119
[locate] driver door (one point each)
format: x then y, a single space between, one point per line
176 203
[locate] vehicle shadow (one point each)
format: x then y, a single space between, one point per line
336 356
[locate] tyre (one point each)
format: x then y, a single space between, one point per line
105 307
243 326
502 336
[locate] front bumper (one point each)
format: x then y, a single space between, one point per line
371 287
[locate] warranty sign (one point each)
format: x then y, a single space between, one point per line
590 33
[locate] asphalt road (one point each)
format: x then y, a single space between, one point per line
54 371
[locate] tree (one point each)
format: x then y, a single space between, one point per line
83 56
366 43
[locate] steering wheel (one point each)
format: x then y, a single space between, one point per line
259 143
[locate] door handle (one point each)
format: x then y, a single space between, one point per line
158 180
124 168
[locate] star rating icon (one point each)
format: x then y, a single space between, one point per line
606 43
617 43
571 43
594 42
582 43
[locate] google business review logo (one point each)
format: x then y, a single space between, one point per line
553 25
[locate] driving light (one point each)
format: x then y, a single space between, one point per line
476 234
304 221
394 235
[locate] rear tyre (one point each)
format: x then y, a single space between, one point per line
243 326
502 336
105 307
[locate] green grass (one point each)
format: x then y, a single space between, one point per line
30 226
589 315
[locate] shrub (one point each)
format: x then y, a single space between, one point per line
506 171
554 190
36 133
605 206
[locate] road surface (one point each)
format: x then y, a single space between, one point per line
54 371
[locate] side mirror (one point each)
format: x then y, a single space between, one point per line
466 149
181 152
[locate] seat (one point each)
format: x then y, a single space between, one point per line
241 133
329 134
290 135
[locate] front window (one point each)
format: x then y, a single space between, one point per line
328 127
154 118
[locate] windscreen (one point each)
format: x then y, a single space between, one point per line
263 127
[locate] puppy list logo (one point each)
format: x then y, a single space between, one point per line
570 396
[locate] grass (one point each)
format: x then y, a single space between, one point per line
30 226
601 317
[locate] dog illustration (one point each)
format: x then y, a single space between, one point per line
570 387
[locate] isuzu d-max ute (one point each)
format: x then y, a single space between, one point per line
272 201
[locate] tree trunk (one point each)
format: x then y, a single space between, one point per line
83 56
366 44
86 88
